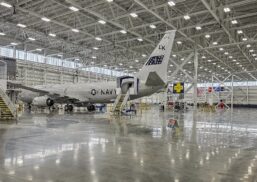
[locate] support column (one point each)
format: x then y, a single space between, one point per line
45 68
195 79
232 93
26 67
14 52
247 96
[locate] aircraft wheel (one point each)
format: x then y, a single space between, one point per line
70 108
66 107
91 108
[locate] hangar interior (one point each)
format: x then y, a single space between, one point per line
199 126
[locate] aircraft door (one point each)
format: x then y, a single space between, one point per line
125 87
127 83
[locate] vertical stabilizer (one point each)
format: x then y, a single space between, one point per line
159 59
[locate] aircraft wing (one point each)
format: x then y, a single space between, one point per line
19 85
55 96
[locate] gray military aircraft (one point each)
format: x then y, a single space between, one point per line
151 78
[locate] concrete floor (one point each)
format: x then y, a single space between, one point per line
95 147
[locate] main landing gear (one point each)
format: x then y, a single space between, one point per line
91 108
68 108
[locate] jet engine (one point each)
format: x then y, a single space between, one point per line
43 101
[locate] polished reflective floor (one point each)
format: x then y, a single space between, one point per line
206 147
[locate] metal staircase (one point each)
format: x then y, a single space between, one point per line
7 108
120 102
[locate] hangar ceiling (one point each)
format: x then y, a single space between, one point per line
121 34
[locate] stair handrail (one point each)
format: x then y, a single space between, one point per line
116 101
8 102
125 100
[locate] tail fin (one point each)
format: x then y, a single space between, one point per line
159 59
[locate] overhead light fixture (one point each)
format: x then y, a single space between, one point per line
144 55
234 22
244 39
174 55
239 31
52 34
237 63
209 60
152 26
226 53
251 50
102 22
136 60
73 8
75 30
234 60
171 65
227 9
134 15
179 42
95 48
38 49
45 19
93 57
187 17
254 55
59 55
123 31
140 39
230 57
31 38
14 43
109 1
92 62
130 67
5 5
207 36
120 64
21 25
171 3
1 33
215 43
182 59
105 65
221 49
98 38
198 28
248 45
203 57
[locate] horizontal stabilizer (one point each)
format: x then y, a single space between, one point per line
153 79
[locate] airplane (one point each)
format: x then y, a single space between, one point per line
151 78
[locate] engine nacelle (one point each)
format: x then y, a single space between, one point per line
43 101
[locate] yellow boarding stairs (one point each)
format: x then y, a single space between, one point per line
120 102
7 108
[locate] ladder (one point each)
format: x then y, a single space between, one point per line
7 108
120 102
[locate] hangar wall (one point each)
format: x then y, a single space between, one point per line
34 73
243 95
